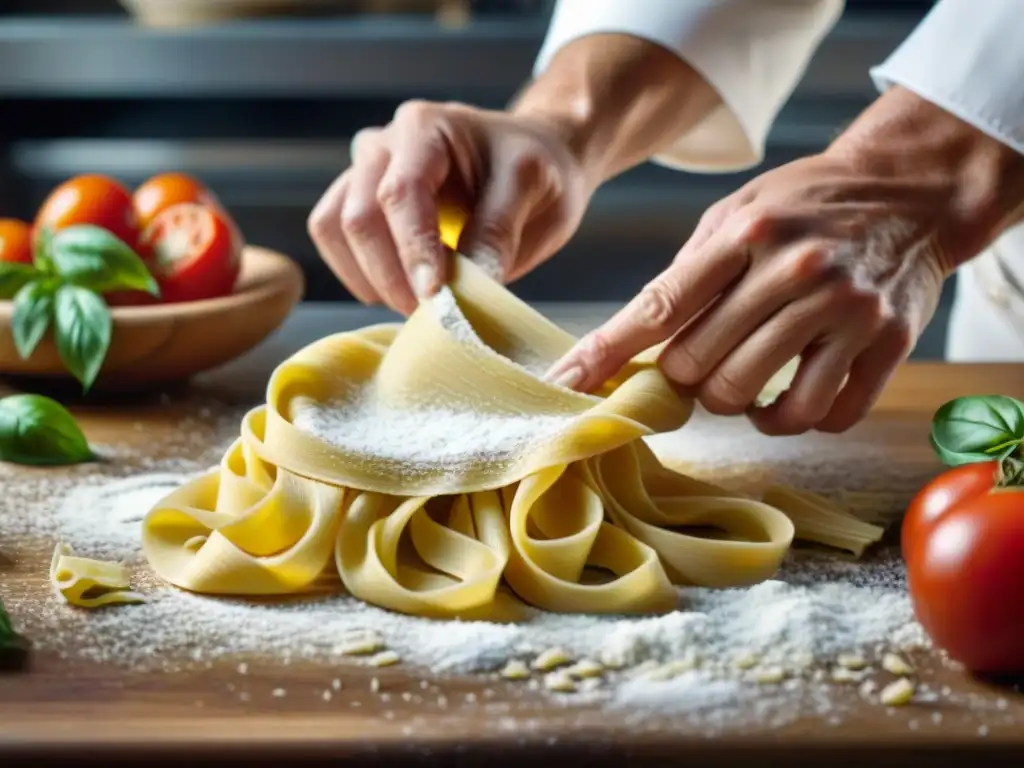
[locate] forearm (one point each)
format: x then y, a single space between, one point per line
618 99
977 181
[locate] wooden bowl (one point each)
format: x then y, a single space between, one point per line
166 343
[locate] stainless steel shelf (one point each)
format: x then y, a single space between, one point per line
100 58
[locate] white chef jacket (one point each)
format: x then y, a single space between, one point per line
966 56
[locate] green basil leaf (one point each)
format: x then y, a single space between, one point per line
14 277
93 258
33 311
977 428
41 251
83 329
38 431
9 639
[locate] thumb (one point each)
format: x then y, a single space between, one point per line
495 230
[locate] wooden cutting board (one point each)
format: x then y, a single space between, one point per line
71 709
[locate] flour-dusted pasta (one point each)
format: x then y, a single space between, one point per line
88 583
534 493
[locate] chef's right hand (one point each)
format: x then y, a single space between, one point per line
377 224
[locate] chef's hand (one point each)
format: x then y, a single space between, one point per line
604 104
837 258
377 225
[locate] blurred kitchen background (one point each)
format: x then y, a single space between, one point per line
262 110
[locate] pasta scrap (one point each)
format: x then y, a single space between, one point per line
88 583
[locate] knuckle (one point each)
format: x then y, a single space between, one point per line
316 226
398 189
416 111
713 215
365 141
808 264
903 338
527 167
658 306
595 349
757 225
319 222
358 220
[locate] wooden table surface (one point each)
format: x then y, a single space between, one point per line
67 708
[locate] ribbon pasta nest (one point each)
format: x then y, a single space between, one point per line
439 477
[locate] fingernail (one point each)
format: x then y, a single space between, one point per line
568 378
489 260
423 281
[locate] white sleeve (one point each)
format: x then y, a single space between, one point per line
752 52
968 58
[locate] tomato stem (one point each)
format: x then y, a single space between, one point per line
1011 471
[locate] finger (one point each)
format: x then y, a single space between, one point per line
737 381
817 384
664 306
408 194
324 227
366 228
763 291
519 180
869 374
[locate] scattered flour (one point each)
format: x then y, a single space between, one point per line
818 608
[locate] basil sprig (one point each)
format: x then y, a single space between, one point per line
62 290
978 428
38 431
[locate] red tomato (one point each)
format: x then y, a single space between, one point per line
15 241
963 544
194 253
91 199
940 495
160 192
164 190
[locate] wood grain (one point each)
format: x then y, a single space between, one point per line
65 707
168 342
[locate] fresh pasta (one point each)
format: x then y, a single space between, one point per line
572 513
87 583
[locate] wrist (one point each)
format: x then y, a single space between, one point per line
975 181
616 100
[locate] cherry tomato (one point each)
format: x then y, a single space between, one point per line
91 199
160 192
963 541
164 190
15 241
194 253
